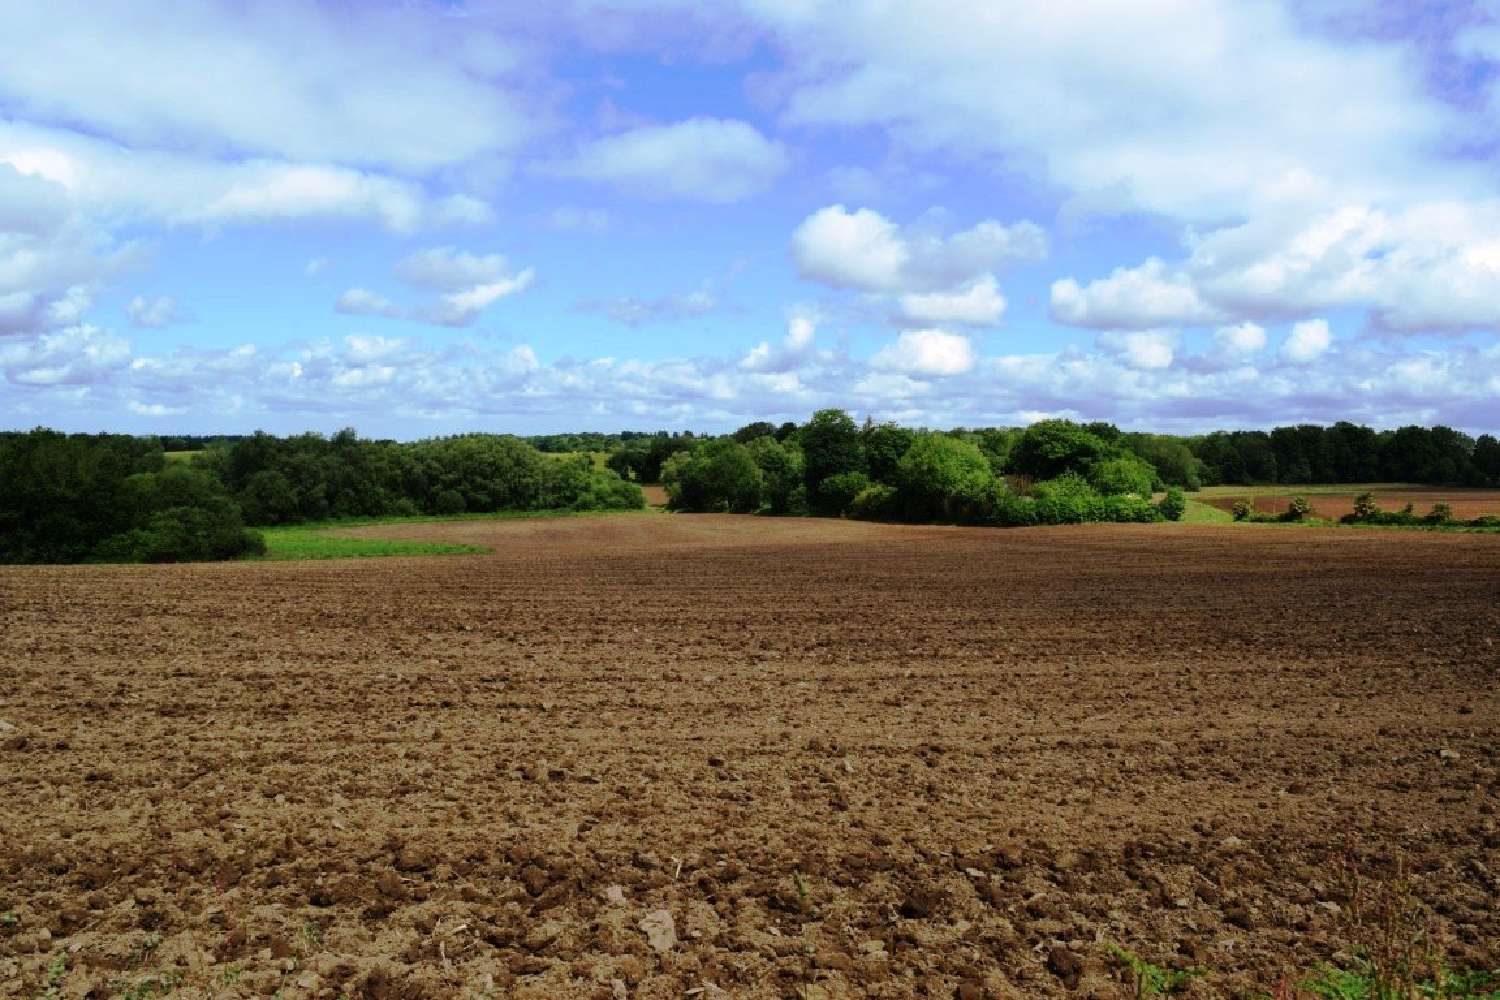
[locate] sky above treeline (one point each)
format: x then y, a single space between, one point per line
419 218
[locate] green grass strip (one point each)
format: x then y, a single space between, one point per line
312 540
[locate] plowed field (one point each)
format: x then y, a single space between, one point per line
653 754
1466 503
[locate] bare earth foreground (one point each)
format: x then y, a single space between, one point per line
845 759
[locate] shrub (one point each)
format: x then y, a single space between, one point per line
1049 448
836 493
1441 513
717 475
1173 505
1486 521
941 477
1365 507
449 502
1123 474
876 502
268 498
1298 509
1008 510
1243 510
1069 487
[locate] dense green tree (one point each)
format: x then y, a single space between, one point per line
1171 457
938 474
781 470
1173 505
1487 460
1049 448
751 431
884 444
831 445
1123 473
719 475
268 498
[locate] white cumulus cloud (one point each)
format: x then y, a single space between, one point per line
927 352
978 304
1307 342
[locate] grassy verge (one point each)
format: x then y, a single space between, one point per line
1204 513
313 540
315 543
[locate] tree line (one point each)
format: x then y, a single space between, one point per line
1053 472
115 498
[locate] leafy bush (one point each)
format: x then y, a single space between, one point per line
831 446
185 534
1243 510
1365 507
836 493
877 502
1441 513
940 477
1298 509
1173 505
1123 474
1069 487
781 466
1049 448
717 475
1071 508
449 502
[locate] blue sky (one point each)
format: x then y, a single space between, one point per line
420 218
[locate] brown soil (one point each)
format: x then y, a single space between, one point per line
1466 504
847 759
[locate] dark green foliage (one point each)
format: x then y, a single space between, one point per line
831 445
718 475
1049 448
641 458
884 444
62 494
997 444
1348 453
1487 460
69 498
836 493
80 497
311 478
1171 457
268 498
1243 510
1173 505
750 432
781 469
